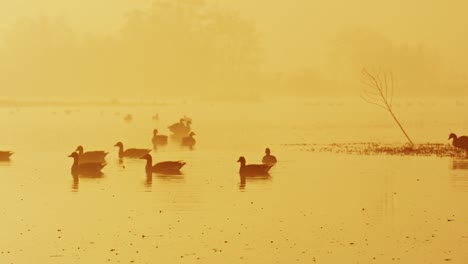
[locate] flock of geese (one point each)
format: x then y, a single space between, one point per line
90 163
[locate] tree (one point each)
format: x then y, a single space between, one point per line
379 92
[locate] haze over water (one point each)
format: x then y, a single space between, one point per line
315 207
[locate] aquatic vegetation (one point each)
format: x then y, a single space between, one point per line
427 149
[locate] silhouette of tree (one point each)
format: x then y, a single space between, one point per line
379 91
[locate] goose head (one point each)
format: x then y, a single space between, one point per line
147 157
79 149
267 151
241 160
119 144
155 132
452 135
191 134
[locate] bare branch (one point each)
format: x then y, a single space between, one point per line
372 102
379 92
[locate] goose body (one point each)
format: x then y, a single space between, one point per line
5 155
268 158
131 152
98 156
189 141
162 167
253 169
158 139
459 142
85 168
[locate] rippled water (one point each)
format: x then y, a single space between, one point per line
316 207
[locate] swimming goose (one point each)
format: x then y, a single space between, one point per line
131 152
85 168
253 169
182 128
268 158
189 141
459 142
158 139
5 155
162 167
98 156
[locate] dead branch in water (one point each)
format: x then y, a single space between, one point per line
378 92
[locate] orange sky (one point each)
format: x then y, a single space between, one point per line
302 37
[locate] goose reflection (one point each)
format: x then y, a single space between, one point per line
252 178
459 164
77 176
149 181
459 175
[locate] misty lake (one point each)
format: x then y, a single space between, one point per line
315 208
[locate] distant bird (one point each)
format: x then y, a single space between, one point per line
459 142
128 118
268 158
131 152
182 128
97 156
162 167
253 169
189 141
5 155
85 168
158 139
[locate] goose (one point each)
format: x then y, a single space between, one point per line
131 152
91 156
459 142
158 139
253 169
85 168
128 118
268 158
189 141
182 128
5 155
162 167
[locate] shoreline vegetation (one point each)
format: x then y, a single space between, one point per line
368 149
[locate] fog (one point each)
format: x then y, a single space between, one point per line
229 49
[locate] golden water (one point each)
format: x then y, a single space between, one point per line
315 207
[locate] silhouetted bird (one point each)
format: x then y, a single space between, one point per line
131 152
253 169
189 141
268 158
85 168
128 118
459 142
162 167
182 128
5 155
158 139
97 156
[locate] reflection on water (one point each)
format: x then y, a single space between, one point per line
459 175
254 179
5 162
